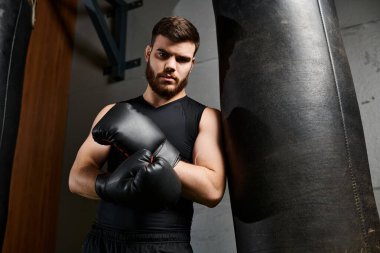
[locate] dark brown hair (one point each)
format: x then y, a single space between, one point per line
176 29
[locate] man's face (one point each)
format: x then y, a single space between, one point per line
168 66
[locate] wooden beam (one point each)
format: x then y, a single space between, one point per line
36 176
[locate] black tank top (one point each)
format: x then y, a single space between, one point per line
179 121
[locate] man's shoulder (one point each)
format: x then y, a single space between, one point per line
107 107
211 119
195 103
211 111
132 100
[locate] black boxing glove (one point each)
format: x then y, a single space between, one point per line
119 186
141 181
129 131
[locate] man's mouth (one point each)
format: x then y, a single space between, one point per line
167 77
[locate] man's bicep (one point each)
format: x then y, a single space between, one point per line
208 145
92 153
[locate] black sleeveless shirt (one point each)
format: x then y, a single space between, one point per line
179 121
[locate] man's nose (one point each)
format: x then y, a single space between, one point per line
170 65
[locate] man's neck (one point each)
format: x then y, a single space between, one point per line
155 100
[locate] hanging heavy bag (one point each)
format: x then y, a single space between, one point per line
15 29
299 176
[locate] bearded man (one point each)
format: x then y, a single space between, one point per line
163 152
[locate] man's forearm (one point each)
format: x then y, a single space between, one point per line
200 184
83 183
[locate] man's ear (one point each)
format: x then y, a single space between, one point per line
148 50
192 64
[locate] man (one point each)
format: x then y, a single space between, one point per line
171 142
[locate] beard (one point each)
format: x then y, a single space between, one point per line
163 89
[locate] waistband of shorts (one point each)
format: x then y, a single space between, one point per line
140 236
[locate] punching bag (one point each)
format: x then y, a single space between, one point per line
15 28
298 169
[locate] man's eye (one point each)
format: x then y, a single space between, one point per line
182 59
162 55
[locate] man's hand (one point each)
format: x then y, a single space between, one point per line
141 181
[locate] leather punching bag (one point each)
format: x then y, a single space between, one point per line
299 176
15 28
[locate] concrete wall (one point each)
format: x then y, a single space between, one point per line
360 28
90 91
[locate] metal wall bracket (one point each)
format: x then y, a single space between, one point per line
114 43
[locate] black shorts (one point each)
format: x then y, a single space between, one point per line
102 239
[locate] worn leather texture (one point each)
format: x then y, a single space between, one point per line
128 130
298 170
15 29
